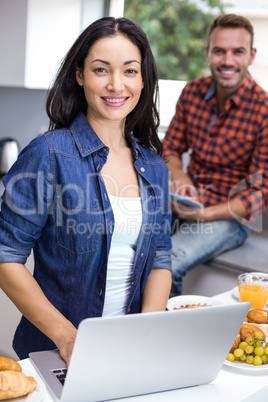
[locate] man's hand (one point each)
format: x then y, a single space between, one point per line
180 182
182 185
233 209
189 213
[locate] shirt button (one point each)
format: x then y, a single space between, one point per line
142 169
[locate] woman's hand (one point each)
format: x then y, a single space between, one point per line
65 343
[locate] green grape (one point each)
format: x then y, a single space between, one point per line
249 359
242 345
238 352
250 340
249 349
230 357
257 360
254 350
258 335
264 359
259 351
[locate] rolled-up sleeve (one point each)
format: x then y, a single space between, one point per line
25 202
253 190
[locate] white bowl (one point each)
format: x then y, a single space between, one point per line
179 301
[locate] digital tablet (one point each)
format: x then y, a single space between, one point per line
189 202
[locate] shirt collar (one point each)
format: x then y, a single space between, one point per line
242 92
209 90
87 140
85 137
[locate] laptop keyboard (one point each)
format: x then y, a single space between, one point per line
60 374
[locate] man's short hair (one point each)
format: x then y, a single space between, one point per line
231 21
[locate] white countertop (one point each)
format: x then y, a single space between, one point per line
231 384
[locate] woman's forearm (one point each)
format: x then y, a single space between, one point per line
156 292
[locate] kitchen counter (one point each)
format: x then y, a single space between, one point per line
232 384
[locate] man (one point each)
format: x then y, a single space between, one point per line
223 120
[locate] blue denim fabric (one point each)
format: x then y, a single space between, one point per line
195 243
56 203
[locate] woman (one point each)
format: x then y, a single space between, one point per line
90 196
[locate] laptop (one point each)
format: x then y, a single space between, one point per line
122 356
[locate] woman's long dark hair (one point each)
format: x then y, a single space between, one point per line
66 98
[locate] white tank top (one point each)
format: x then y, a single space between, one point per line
127 219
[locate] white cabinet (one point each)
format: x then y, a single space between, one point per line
34 37
36 34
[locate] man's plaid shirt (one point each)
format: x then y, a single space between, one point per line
229 151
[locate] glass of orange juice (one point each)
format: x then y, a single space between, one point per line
253 288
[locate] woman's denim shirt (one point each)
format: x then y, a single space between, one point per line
56 203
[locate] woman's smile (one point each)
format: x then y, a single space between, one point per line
115 101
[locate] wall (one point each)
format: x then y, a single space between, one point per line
257 12
22 114
12 62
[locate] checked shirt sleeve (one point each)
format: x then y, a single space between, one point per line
253 191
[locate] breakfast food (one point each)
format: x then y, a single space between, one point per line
236 343
14 383
248 330
192 306
258 316
251 343
9 364
254 350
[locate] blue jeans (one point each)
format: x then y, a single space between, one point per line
194 243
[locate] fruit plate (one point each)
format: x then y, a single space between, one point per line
178 301
247 367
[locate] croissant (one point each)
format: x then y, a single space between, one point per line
9 364
14 384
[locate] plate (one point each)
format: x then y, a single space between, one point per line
37 395
247 367
179 301
185 200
